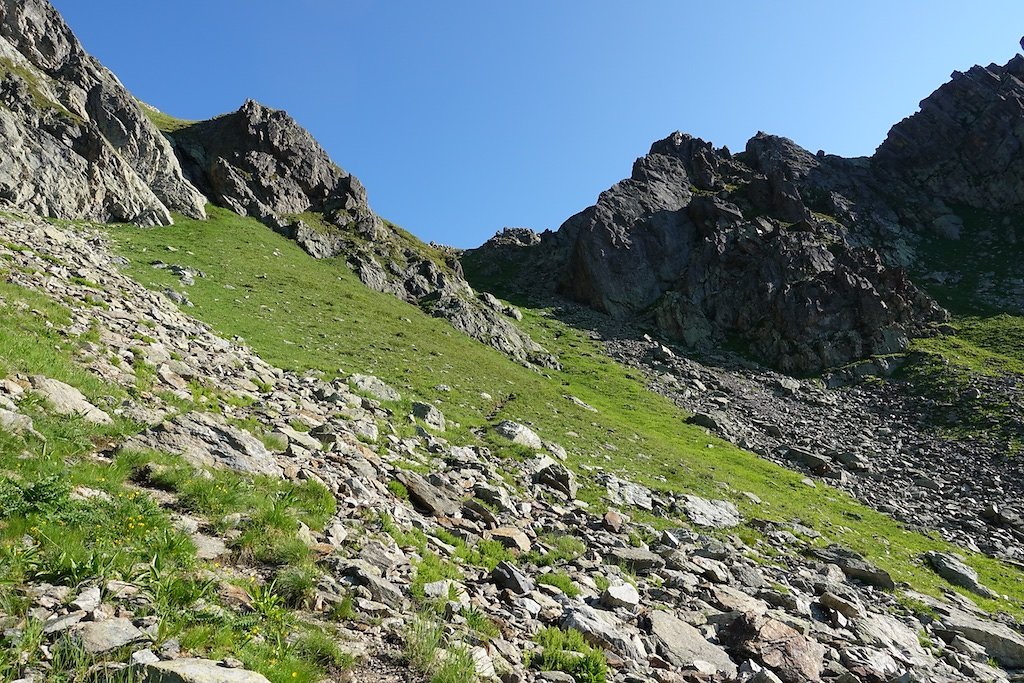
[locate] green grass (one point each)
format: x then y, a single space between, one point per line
567 651
300 313
561 581
164 122
982 349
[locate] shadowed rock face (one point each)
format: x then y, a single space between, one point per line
966 144
796 257
76 144
720 248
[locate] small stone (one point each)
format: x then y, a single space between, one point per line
101 637
620 595
87 600
512 538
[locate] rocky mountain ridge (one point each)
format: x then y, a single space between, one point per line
259 162
173 507
797 258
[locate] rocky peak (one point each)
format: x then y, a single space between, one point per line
70 128
258 161
965 144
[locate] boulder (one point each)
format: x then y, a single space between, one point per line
519 434
555 476
957 573
67 400
794 657
197 671
101 637
682 645
368 384
602 629
1001 643
426 496
207 440
620 595
855 567
637 560
433 417
718 514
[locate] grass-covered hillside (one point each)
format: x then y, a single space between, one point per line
300 313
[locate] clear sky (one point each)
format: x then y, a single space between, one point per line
465 116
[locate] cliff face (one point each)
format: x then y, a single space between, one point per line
77 145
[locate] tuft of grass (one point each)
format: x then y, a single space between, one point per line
297 585
567 651
398 489
561 581
421 640
456 666
563 548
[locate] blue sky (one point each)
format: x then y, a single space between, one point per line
465 116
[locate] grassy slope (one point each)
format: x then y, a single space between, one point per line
126 535
300 313
988 342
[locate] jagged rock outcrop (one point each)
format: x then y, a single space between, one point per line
716 248
76 144
964 146
797 257
259 162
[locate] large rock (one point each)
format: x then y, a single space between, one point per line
518 434
718 514
208 441
956 572
376 387
76 143
790 654
682 645
67 400
602 629
197 671
1001 643
639 560
101 637
856 567
426 496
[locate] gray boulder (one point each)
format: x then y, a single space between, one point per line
957 573
206 440
855 567
518 434
718 514
67 400
197 671
682 645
